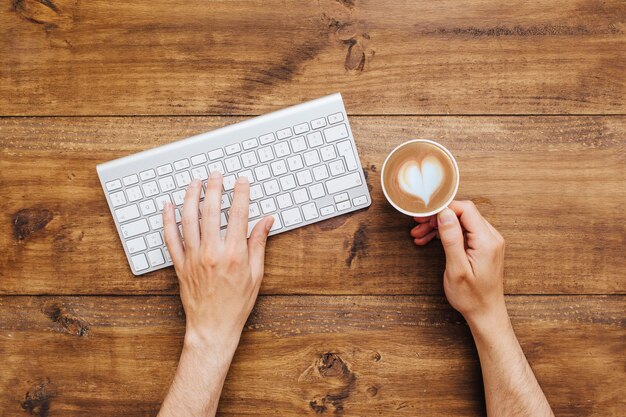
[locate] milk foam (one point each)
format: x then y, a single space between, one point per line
421 179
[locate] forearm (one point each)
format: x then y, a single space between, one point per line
511 389
198 382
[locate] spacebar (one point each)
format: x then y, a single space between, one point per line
343 183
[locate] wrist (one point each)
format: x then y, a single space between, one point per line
219 348
489 323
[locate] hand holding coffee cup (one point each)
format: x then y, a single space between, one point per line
420 178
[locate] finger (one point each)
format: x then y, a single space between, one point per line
238 214
191 228
172 238
211 209
427 219
451 236
420 241
469 216
421 230
256 247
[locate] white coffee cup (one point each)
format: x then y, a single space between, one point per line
431 212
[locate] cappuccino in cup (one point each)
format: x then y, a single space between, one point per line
420 177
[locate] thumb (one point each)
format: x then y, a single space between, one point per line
451 236
256 247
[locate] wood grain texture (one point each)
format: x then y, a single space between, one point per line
554 186
351 356
73 57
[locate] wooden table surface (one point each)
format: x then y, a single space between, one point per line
529 95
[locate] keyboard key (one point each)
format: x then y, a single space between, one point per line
164 169
216 154
304 177
325 211
267 138
320 172
281 149
253 210
317 123
216 166
265 154
336 167
335 133
179 197
223 221
225 201
248 174
154 239
134 193
328 153
183 179
301 128
229 182
288 182
232 149
344 183
249 159
256 192
167 184
262 172
317 191
113 185
181 164
310 211
131 179
341 197
150 188
300 196
177 216
198 159
298 144
284 200
135 245
291 217
311 158
271 187
118 199
135 228
147 175
344 205
284 133
279 168
161 200
147 207
156 257
345 149
277 223
232 164
268 205
315 139
139 262
199 173
250 143
295 163
357 201
156 222
125 214
335 118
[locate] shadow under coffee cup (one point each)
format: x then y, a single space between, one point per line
420 177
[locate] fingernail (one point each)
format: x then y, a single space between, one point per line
242 179
167 206
269 224
446 216
215 174
195 182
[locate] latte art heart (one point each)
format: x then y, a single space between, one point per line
423 179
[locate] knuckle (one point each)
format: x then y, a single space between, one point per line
208 262
238 211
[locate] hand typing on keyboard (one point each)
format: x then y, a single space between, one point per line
219 278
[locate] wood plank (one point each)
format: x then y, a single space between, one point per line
352 356
555 188
68 57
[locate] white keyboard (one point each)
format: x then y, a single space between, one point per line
301 162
